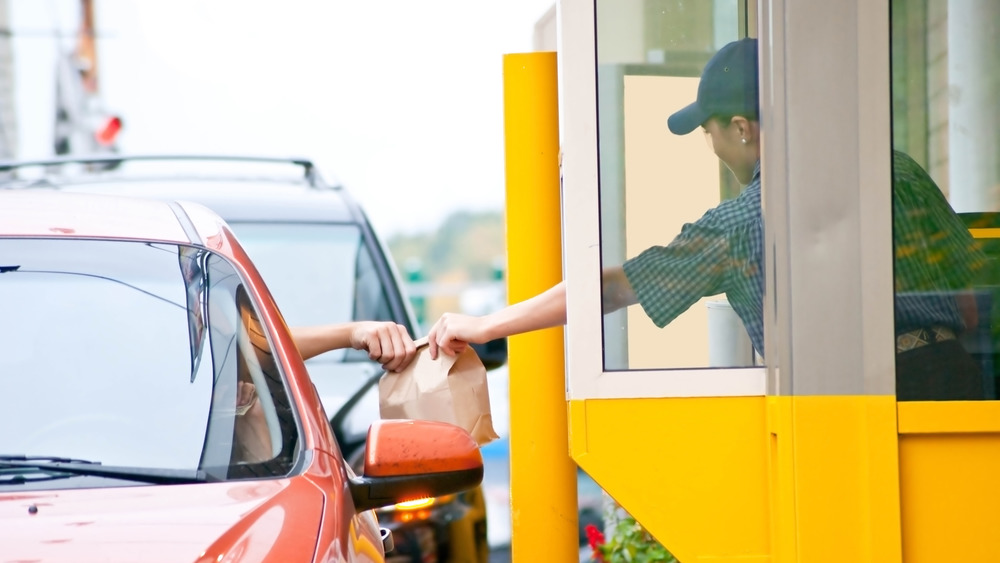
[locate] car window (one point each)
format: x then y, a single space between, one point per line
317 274
138 355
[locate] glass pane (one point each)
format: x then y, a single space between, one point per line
321 274
946 198
310 269
129 354
669 244
251 431
318 274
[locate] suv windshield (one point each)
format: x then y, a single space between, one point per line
317 274
137 355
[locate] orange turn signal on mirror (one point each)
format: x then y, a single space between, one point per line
418 447
415 504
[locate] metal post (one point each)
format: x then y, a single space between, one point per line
8 113
544 524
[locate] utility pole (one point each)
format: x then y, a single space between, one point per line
8 115
82 125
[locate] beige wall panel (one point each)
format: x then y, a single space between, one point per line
670 180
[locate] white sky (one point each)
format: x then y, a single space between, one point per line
400 100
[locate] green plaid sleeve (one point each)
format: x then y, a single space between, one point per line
933 248
669 279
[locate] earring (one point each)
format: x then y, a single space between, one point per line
744 141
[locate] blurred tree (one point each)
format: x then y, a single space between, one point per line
467 245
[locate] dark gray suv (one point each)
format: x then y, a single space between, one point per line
323 263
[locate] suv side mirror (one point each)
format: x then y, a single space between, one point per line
493 354
412 459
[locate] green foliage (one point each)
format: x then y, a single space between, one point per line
472 242
629 542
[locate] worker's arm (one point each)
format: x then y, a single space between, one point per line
453 331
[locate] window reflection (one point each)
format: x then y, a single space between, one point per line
252 428
318 274
936 262
97 360
696 276
946 174
192 267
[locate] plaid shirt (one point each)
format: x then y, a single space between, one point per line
723 252
935 255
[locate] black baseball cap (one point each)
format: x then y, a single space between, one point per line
728 87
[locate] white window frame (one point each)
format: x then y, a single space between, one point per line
586 378
828 320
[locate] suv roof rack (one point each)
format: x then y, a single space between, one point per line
309 168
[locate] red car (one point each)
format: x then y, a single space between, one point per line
155 408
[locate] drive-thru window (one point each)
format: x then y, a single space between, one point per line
787 442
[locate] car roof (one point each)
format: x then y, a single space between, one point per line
81 215
238 188
235 199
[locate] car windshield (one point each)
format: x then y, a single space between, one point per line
317 274
137 355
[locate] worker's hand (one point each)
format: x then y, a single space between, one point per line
387 343
453 332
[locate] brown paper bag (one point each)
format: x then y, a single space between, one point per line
448 389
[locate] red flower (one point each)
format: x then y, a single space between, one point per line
596 539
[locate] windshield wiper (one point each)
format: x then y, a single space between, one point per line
86 467
22 457
21 479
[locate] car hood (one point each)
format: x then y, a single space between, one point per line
251 520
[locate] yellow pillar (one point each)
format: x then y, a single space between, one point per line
834 479
542 474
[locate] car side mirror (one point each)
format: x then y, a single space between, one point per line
412 459
493 354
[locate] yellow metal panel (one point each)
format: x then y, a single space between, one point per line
692 470
985 233
941 417
846 478
736 559
783 479
542 474
950 497
781 465
950 480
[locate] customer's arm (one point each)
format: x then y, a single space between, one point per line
387 343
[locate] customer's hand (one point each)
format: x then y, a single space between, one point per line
387 343
253 438
246 397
